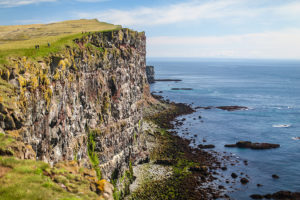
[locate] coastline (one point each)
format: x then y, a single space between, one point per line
175 170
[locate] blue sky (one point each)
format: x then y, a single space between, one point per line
186 28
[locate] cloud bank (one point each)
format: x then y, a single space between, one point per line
192 11
15 3
279 45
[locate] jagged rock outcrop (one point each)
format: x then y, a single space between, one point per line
150 74
83 103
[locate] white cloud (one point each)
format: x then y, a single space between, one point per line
194 10
15 3
289 10
280 44
92 1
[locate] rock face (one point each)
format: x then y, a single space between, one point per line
150 74
83 103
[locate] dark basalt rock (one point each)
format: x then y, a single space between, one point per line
181 89
286 195
168 79
275 176
244 180
163 162
205 108
257 196
232 108
202 169
224 168
250 145
208 146
234 175
278 195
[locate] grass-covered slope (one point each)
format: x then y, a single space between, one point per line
20 40
30 179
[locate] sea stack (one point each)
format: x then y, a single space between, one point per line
150 74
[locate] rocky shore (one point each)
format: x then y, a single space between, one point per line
175 170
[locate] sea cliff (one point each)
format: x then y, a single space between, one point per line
77 121
83 103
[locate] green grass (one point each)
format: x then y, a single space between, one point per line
5 140
27 181
16 41
92 154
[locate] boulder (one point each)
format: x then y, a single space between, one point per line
234 175
244 180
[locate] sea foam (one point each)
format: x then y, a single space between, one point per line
281 125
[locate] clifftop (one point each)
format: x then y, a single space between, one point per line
20 40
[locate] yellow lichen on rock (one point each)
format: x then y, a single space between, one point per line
121 35
34 83
56 75
106 189
62 64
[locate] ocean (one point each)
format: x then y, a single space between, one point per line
271 91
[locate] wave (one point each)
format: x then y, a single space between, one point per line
281 125
296 138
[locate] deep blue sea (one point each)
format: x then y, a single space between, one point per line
271 91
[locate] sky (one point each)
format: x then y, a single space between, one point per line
267 29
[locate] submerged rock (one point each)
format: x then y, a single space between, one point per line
275 176
250 145
207 146
278 195
181 89
244 180
257 196
232 108
234 175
